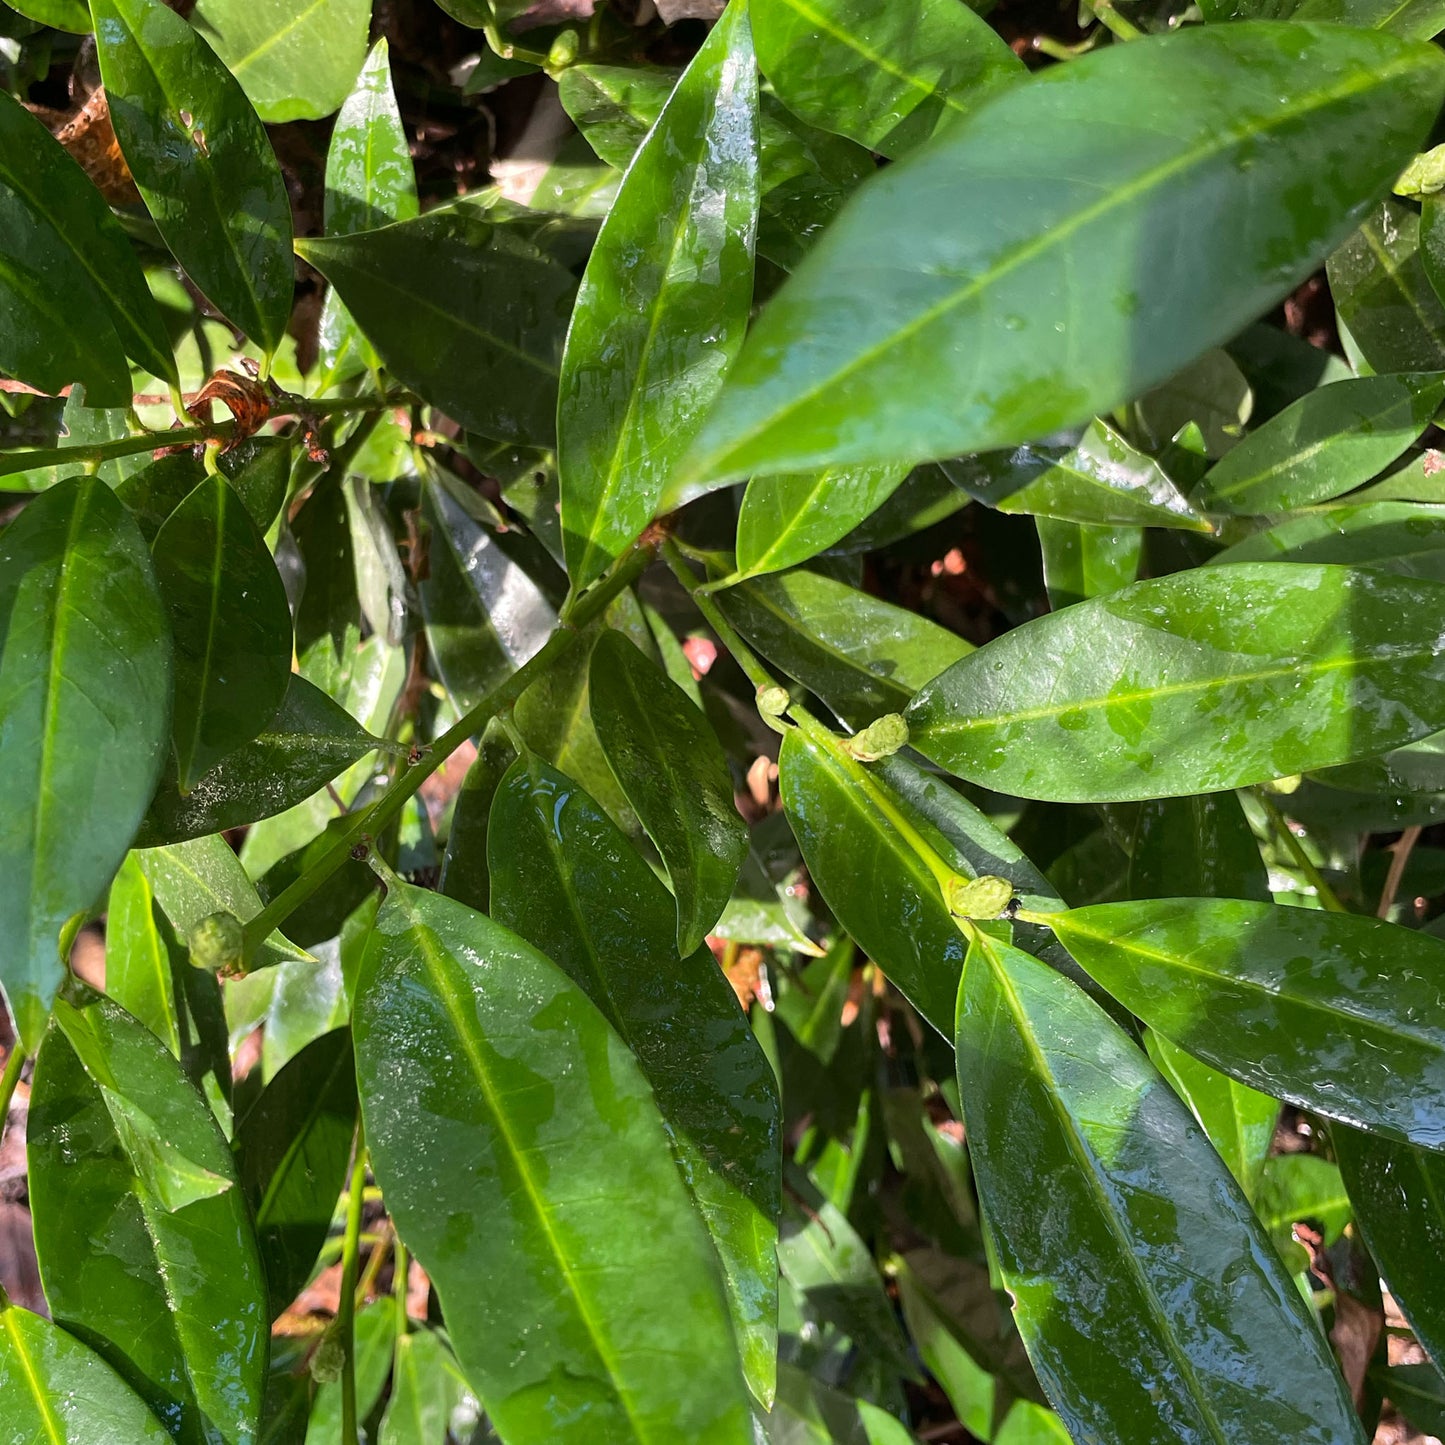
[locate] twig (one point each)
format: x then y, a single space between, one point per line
1400 851
346 1305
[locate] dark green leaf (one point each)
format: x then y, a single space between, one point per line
258 469
55 1389
292 1147
294 62
1101 480
85 680
1329 1011
1239 1120
1158 691
924 498
1147 1257
664 302
673 770
566 880
1397 1192
231 624
465 875
524 1161
863 657
884 73
1418 1392
786 520
58 197
615 106
974 261
1378 283
1199 847
1419 768
1324 445
72 15
144 1239
1082 561
808 1412
1413 19
470 321
378 1326
303 747
201 160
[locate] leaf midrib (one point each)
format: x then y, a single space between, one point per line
1217 144
38 1392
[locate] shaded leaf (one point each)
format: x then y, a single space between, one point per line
1082 561
668 761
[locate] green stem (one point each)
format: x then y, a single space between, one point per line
98 452
14 1062
346 1306
745 657
400 1270
368 822
1303 861
1112 21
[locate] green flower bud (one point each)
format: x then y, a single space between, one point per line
1284 786
215 943
985 897
773 701
880 739
1424 176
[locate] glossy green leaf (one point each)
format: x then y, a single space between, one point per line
1379 285
423 1390
55 1389
58 199
1083 561
1326 444
202 162
861 829
308 742
975 260
1199 847
292 1148
144 1239
1419 769
370 182
787 520
808 1412
887 75
974 1393
566 880
259 469
484 615
1157 691
202 876
664 302
1239 1120
524 1161
72 15
1413 19
231 624
85 680
1302 1188
1403 537
295 62
468 319
1329 1011
1147 1258
1397 1192
668 761
862 656
1100 481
